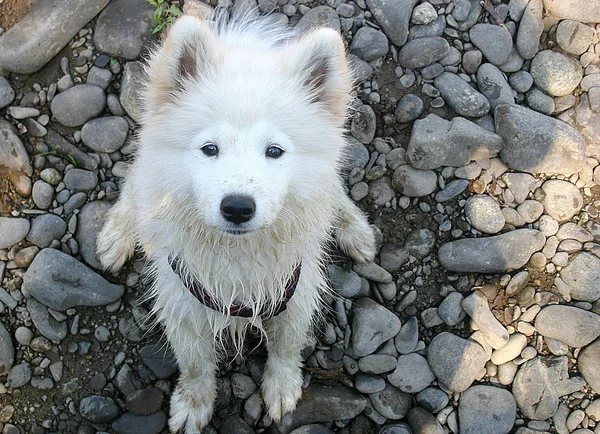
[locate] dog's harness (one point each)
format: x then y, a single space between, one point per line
197 290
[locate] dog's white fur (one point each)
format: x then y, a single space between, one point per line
242 86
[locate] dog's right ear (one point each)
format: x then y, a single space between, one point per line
188 53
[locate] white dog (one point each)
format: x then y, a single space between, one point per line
233 196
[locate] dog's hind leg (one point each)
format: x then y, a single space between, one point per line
193 399
352 231
116 240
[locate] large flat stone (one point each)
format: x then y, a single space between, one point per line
60 281
582 11
43 32
497 254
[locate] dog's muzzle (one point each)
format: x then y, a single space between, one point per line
238 209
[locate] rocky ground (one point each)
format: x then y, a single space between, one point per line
474 147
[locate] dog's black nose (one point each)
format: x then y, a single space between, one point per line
238 209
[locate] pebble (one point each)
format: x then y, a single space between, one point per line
130 423
521 81
409 108
12 231
19 375
60 281
477 307
412 374
550 145
372 271
540 102
582 276
159 359
534 387
484 214
432 399
372 325
491 255
548 226
471 61
42 194
450 309
98 409
423 52
100 77
131 89
7 352
90 221
530 210
80 180
495 42
363 124
422 421
588 365
407 339
77 105
461 97
570 325
7 94
420 242
105 134
344 282
391 403
393 16
511 350
562 200
574 37
412 182
377 363
23 335
46 228
392 257
424 14
46 324
556 73
15 159
369 44
530 29
486 410
493 85
369 383
456 362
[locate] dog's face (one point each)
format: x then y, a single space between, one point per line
242 129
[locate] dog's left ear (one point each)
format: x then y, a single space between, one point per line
319 61
189 52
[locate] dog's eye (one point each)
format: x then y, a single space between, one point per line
210 150
274 152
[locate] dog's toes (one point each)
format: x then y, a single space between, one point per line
358 242
281 392
113 248
189 412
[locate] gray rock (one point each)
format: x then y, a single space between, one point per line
98 409
491 255
394 17
372 271
14 158
540 102
312 429
105 134
420 242
562 200
369 383
435 28
421 421
571 325
412 182
320 16
536 143
90 221
46 228
461 97
456 362
46 324
377 364
520 185
61 282
344 282
362 70
412 374
363 124
511 350
145 401
42 194
355 154
495 42
452 190
391 403
484 214
100 77
473 16
132 85
477 307
574 37
409 108
159 358
530 29
514 63
582 275
486 410
80 180
521 81
471 61
407 339
321 403
392 257
7 94
12 231
130 423
556 73
436 142
573 10
586 122
493 85
587 362
77 105
19 375
461 10
422 52
571 231
43 32
369 44
450 309
424 14
372 325
124 28
7 351
432 399
68 151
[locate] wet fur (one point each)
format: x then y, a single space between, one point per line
247 83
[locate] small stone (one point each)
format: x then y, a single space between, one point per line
46 228
12 231
7 94
81 180
407 339
555 73
145 401
511 350
530 29
369 44
131 89
412 374
424 14
562 200
409 108
588 365
432 399
484 214
530 210
377 363
521 81
320 16
582 276
574 37
461 97
77 105
7 352
130 423
422 421
19 375
391 403
363 124
486 410
105 134
422 52
42 194
98 409
420 242
493 85
450 309
477 307
159 358
495 42
573 326
372 325
413 182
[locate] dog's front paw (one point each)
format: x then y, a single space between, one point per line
191 408
357 241
114 246
281 387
